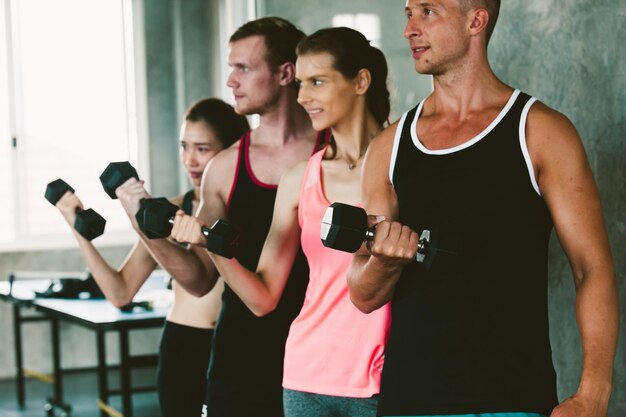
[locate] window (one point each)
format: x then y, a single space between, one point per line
69 112
366 23
6 189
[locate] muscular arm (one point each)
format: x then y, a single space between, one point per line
119 286
261 291
190 266
375 270
567 185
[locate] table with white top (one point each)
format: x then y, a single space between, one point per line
96 314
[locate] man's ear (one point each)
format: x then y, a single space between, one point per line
363 80
286 73
479 18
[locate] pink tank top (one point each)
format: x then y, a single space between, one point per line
332 347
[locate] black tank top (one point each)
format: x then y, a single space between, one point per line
248 350
187 205
472 337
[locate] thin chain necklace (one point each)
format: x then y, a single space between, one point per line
354 164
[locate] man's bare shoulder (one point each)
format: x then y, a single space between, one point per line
224 162
383 141
290 185
548 130
219 174
295 173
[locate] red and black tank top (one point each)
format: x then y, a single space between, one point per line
248 350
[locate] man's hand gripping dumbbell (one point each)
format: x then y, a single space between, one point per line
345 228
159 218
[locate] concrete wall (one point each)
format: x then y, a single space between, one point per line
572 58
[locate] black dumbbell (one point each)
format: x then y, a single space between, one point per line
344 227
156 217
88 223
116 174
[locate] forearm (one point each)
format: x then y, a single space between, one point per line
109 280
371 283
190 267
251 287
597 314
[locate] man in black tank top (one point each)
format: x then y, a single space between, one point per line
494 168
245 373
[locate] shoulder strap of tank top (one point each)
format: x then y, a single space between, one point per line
187 205
403 133
323 139
243 150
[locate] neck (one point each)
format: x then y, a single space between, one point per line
465 87
284 121
353 136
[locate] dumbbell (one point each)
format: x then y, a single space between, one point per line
88 223
344 227
156 218
116 174
156 215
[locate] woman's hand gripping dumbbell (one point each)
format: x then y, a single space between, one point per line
87 223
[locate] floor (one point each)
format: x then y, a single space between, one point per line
80 391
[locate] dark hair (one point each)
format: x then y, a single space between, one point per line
227 125
352 52
493 8
280 35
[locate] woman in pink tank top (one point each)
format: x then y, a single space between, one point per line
334 353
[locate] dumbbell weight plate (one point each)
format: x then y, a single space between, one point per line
116 174
154 216
344 227
88 223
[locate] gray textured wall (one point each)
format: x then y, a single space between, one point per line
568 53
180 48
572 57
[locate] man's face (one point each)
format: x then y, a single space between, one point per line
255 86
437 35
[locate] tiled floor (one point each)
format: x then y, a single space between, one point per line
80 391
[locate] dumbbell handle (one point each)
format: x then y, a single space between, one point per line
422 244
205 230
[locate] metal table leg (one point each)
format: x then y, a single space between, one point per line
19 359
127 406
103 385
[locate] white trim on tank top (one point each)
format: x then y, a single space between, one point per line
503 112
524 146
467 144
396 144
